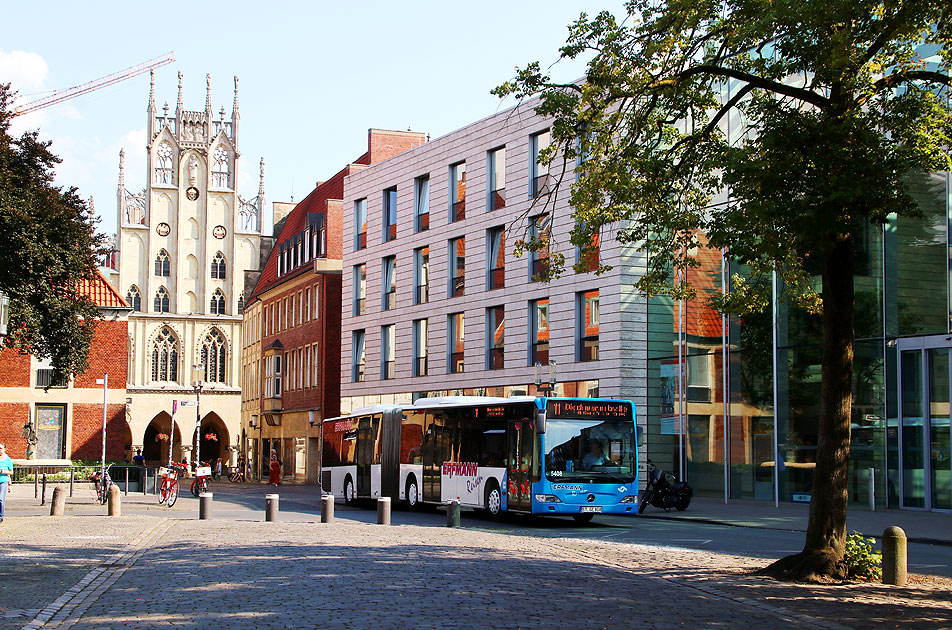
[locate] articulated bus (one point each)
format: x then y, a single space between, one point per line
556 456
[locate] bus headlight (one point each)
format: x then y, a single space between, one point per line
630 499
547 498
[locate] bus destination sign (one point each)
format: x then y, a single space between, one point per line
603 409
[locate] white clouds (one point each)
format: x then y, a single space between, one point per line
26 71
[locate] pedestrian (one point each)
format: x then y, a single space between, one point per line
6 470
274 470
138 460
218 469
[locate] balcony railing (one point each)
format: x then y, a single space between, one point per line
422 293
459 210
388 369
420 366
423 222
458 286
496 359
589 349
540 352
456 362
497 199
497 278
44 379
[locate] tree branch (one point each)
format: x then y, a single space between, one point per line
757 82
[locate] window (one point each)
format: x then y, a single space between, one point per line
588 316
539 331
455 338
495 337
496 267
357 356
587 258
458 192
317 302
457 266
317 362
421 275
699 378
134 298
306 305
213 357
272 376
538 172
163 164
421 187
497 179
241 303
217 305
163 264
360 224
388 349
360 289
220 168
389 284
218 266
421 342
389 214
540 232
165 356
161 302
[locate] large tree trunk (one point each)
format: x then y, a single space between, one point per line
826 531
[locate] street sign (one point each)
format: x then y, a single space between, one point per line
187 403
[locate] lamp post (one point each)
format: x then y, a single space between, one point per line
547 389
197 385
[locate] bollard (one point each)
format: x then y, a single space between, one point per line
43 497
452 514
271 507
327 508
894 556
205 505
383 511
114 501
59 502
72 474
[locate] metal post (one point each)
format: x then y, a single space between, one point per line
725 361
59 502
327 508
105 392
776 393
145 480
36 482
383 511
452 514
127 482
894 556
72 474
271 507
681 373
43 499
872 489
205 505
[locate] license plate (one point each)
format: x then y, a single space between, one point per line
591 508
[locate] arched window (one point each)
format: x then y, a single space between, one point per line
163 164
241 302
218 303
134 298
163 264
218 266
161 302
213 357
220 168
165 356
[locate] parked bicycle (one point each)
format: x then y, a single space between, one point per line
101 481
168 491
202 474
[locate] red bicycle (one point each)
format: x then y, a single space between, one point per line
168 491
200 485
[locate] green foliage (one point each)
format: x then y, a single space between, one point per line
862 561
48 245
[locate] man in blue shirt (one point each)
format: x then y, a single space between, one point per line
6 469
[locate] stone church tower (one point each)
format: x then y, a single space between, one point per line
184 244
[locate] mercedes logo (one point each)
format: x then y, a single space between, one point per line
590 498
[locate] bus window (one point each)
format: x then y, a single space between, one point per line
331 455
493 449
348 451
375 432
411 437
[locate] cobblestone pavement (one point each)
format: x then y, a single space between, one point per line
143 571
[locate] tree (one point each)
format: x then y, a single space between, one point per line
835 107
48 246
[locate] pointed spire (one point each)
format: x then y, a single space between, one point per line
221 113
234 107
261 181
92 205
122 170
178 103
151 90
208 94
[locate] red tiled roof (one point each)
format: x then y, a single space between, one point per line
101 291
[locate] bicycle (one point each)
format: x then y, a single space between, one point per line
200 484
236 475
168 491
101 483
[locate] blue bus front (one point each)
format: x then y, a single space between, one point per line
590 458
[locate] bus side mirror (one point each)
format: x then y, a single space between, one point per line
641 435
540 421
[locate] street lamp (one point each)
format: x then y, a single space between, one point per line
197 384
546 389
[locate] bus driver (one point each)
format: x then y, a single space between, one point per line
595 456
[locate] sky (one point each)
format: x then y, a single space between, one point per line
313 77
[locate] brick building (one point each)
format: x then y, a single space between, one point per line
291 357
67 417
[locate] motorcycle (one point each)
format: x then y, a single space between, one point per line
664 491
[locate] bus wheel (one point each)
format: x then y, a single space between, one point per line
413 493
583 518
349 494
493 502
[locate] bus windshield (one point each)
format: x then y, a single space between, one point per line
592 450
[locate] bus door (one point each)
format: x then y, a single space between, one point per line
365 454
434 454
520 465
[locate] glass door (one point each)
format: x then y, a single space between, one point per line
940 463
911 430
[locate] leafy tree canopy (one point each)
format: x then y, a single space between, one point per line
48 245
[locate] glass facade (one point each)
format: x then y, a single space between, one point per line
719 428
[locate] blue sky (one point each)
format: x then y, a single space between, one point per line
314 76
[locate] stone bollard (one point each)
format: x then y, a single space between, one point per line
452 514
271 507
327 508
383 511
59 502
205 505
114 501
894 556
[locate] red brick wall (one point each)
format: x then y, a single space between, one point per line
14 369
12 418
335 228
86 430
331 314
109 353
384 144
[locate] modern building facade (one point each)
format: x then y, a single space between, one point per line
185 244
51 422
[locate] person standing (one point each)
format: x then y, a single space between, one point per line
6 471
274 470
218 469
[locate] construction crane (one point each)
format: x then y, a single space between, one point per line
64 95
